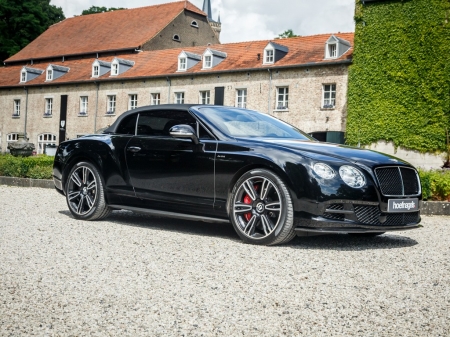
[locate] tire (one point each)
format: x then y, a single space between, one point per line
367 235
261 210
84 193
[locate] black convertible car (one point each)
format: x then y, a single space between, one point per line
222 164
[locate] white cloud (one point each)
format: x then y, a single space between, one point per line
253 19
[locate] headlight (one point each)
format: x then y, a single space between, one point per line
324 171
352 176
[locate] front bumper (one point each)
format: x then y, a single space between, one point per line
344 216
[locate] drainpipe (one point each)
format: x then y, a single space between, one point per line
96 107
26 113
270 90
169 84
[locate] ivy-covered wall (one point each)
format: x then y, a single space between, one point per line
399 82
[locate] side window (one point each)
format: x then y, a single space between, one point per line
159 122
203 134
128 125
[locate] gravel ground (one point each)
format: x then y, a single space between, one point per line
136 275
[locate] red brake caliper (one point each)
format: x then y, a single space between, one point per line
248 201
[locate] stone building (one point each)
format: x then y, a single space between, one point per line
301 80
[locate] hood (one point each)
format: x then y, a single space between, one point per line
347 153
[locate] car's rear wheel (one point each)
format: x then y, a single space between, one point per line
84 193
261 210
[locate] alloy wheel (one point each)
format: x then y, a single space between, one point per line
82 190
257 207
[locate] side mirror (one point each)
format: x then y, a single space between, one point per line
183 131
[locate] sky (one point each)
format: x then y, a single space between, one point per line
249 20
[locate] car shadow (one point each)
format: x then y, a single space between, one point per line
345 242
340 242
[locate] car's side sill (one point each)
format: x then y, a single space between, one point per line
170 214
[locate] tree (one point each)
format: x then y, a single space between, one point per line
287 34
95 10
24 20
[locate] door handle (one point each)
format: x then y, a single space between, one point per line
134 149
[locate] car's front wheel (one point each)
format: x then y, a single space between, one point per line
261 210
84 193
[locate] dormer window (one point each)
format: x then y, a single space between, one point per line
332 50
194 24
212 58
182 64
274 52
54 72
119 66
100 68
268 56
176 38
187 60
207 63
49 74
335 47
114 69
27 74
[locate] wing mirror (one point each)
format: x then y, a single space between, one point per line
183 131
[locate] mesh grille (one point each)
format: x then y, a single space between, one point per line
397 181
410 181
335 216
370 215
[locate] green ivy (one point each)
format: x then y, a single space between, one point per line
399 82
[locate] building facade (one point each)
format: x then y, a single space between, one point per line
301 80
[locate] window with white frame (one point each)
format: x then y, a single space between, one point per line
156 98
179 97
44 140
205 97
48 107
329 96
133 101
114 69
207 61
49 74
83 105
332 50
96 71
282 98
269 55
23 76
11 138
111 104
241 98
16 112
182 62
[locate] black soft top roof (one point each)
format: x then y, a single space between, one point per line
113 127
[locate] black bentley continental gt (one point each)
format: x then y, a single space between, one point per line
224 164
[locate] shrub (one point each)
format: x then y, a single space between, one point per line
435 184
36 167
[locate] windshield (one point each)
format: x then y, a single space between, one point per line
237 122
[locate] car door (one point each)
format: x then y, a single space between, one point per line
168 173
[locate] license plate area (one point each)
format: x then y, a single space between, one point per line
403 205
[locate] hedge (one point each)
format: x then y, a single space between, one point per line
435 185
399 81
36 167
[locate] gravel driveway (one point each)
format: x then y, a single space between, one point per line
136 275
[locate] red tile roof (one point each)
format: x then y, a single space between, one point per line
243 56
117 30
